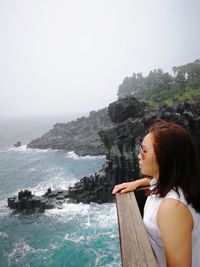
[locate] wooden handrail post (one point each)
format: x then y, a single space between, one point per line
135 246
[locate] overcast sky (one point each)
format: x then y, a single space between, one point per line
69 56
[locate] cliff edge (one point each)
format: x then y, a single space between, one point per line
80 136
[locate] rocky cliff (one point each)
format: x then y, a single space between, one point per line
81 135
122 143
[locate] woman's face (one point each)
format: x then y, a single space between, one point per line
147 158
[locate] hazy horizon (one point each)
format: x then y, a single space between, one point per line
45 115
69 57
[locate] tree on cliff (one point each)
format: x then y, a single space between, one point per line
162 87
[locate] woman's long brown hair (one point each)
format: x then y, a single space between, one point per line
178 161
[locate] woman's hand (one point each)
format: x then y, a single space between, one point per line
125 187
130 186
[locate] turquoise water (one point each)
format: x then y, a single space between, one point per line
78 234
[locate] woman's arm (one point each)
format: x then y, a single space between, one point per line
130 186
175 222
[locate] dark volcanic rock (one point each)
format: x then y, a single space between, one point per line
125 108
80 136
18 144
28 202
122 146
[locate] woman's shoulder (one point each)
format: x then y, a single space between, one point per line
176 195
175 203
172 209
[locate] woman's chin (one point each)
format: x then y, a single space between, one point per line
143 172
141 169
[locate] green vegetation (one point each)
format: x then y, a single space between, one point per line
159 87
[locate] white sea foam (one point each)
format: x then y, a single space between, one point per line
75 238
55 183
73 155
88 222
69 211
2 234
37 150
4 210
20 250
55 246
25 149
32 170
20 148
105 215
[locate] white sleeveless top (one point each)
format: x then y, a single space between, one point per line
150 212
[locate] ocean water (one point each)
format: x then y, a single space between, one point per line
78 235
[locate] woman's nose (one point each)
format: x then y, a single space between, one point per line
139 156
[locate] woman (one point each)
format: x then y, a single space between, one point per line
172 209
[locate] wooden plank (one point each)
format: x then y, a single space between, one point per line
135 246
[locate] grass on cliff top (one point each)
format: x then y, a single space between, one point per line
181 95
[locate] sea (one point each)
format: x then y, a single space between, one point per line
76 235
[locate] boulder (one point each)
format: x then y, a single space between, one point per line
125 108
18 144
26 201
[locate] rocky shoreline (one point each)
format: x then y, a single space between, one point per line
129 120
29 202
80 136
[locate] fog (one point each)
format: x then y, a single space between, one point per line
65 57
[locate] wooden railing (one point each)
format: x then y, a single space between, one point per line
135 247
